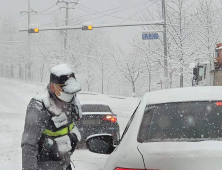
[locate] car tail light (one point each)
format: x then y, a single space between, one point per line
219 103
133 169
110 118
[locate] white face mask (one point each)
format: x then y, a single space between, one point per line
65 97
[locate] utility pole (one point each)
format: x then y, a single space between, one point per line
67 17
29 23
29 19
165 43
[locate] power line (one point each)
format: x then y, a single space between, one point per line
141 3
97 12
37 14
116 11
15 19
83 9
139 11
48 8
15 15
52 13
21 20
25 17
103 13
109 14
13 41
49 12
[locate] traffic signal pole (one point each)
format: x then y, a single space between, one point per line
131 24
165 42
66 32
29 14
29 22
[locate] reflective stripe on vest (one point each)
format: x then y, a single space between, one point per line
61 132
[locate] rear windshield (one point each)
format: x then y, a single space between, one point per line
193 121
95 108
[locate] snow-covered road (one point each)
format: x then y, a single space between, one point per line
14 98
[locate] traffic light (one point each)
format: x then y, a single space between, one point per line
87 26
33 30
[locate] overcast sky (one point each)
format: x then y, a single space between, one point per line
10 8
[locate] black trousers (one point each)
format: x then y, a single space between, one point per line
69 167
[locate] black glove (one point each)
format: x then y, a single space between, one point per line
48 150
74 140
75 112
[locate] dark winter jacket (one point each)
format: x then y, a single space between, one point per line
45 113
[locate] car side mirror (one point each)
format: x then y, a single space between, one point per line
101 143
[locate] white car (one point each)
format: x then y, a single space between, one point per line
175 129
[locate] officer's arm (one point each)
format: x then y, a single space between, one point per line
77 103
34 127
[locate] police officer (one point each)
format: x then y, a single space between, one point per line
50 135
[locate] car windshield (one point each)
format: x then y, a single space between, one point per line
95 108
190 121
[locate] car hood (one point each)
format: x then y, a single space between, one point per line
182 155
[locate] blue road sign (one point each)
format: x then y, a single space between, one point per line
150 36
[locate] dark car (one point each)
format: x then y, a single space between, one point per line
97 118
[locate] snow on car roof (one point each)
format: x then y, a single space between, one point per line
184 95
93 102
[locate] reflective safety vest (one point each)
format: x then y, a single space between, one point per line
58 133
